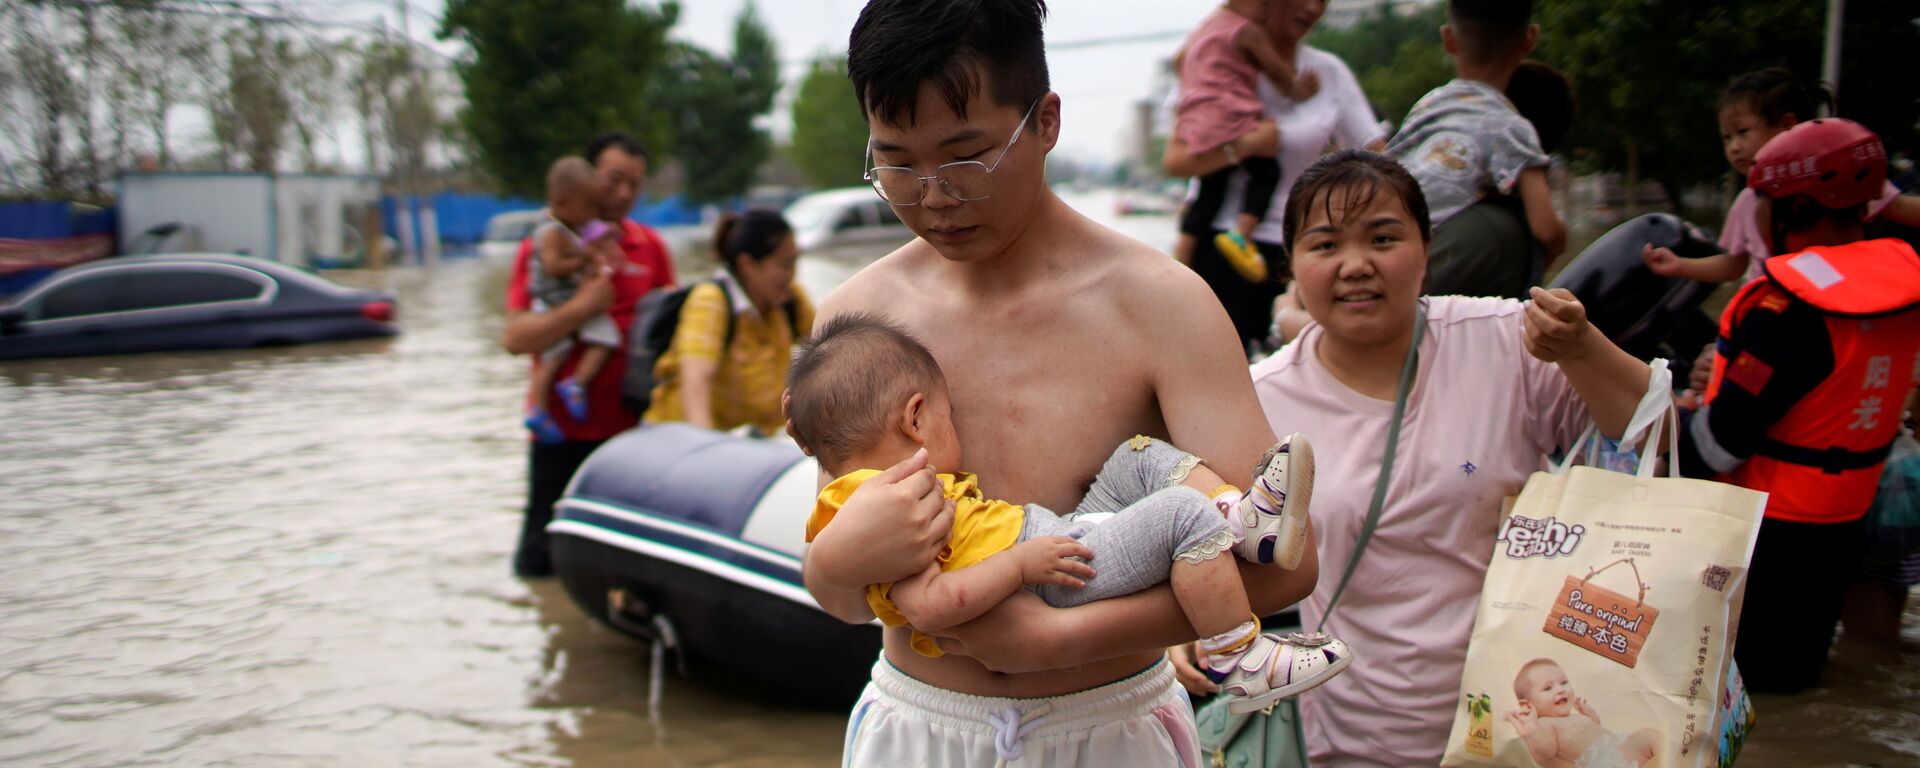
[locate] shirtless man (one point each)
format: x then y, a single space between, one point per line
1060 338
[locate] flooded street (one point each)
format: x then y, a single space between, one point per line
299 556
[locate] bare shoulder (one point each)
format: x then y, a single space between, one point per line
1149 285
877 285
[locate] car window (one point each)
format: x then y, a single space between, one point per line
885 214
84 296
153 289
849 219
511 228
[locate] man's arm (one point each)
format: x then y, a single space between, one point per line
901 506
1537 197
936 599
1208 405
527 332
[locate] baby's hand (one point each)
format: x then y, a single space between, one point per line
1305 85
1050 560
1580 705
1663 261
1524 720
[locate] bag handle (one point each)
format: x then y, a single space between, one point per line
1654 405
1639 601
1407 370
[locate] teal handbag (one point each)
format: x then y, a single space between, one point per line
1272 737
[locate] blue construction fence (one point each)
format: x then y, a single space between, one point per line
463 217
50 220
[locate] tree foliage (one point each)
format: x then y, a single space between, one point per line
543 78
1647 74
829 135
1397 58
715 104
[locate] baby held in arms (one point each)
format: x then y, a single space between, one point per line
1561 729
864 395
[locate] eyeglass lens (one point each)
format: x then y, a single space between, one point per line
966 181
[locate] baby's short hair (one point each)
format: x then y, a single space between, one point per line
1485 30
1520 678
848 379
569 175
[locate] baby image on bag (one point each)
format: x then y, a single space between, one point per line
1559 726
1604 633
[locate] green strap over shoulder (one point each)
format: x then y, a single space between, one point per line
1386 461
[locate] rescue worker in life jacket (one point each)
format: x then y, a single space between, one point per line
1813 363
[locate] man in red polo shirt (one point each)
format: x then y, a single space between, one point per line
644 266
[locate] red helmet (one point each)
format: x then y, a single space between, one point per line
1836 162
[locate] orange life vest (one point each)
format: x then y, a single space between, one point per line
1821 462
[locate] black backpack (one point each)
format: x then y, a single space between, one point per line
655 320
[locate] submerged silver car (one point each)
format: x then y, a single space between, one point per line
187 301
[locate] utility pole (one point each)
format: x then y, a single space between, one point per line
1830 59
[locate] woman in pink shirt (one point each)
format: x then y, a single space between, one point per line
1499 384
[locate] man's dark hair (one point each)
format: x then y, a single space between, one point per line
849 379
1355 177
1485 30
1542 95
620 140
898 44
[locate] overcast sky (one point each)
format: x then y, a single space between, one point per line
1097 83
1098 77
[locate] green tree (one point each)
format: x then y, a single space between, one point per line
1877 87
544 77
829 135
714 104
1646 75
1396 57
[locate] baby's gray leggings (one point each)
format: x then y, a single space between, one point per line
1157 520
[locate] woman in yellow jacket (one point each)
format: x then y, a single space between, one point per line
727 364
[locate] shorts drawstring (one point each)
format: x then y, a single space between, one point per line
1011 727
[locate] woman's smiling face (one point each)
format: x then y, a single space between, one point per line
1359 260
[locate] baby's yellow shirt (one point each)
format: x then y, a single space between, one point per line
981 527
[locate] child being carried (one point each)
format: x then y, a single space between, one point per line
864 394
565 249
1220 66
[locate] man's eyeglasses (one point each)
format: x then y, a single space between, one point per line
966 181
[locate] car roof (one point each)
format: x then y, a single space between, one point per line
530 213
841 194
283 273
274 268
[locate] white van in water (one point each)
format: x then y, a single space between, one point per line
850 218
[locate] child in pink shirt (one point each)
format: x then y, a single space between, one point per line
1220 66
1756 107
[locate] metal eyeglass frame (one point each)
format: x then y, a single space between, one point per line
940 172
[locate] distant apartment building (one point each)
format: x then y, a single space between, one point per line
1346 13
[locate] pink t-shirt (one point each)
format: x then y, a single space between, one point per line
1480 418
1741 233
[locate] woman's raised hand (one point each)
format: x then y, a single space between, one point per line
1557 326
